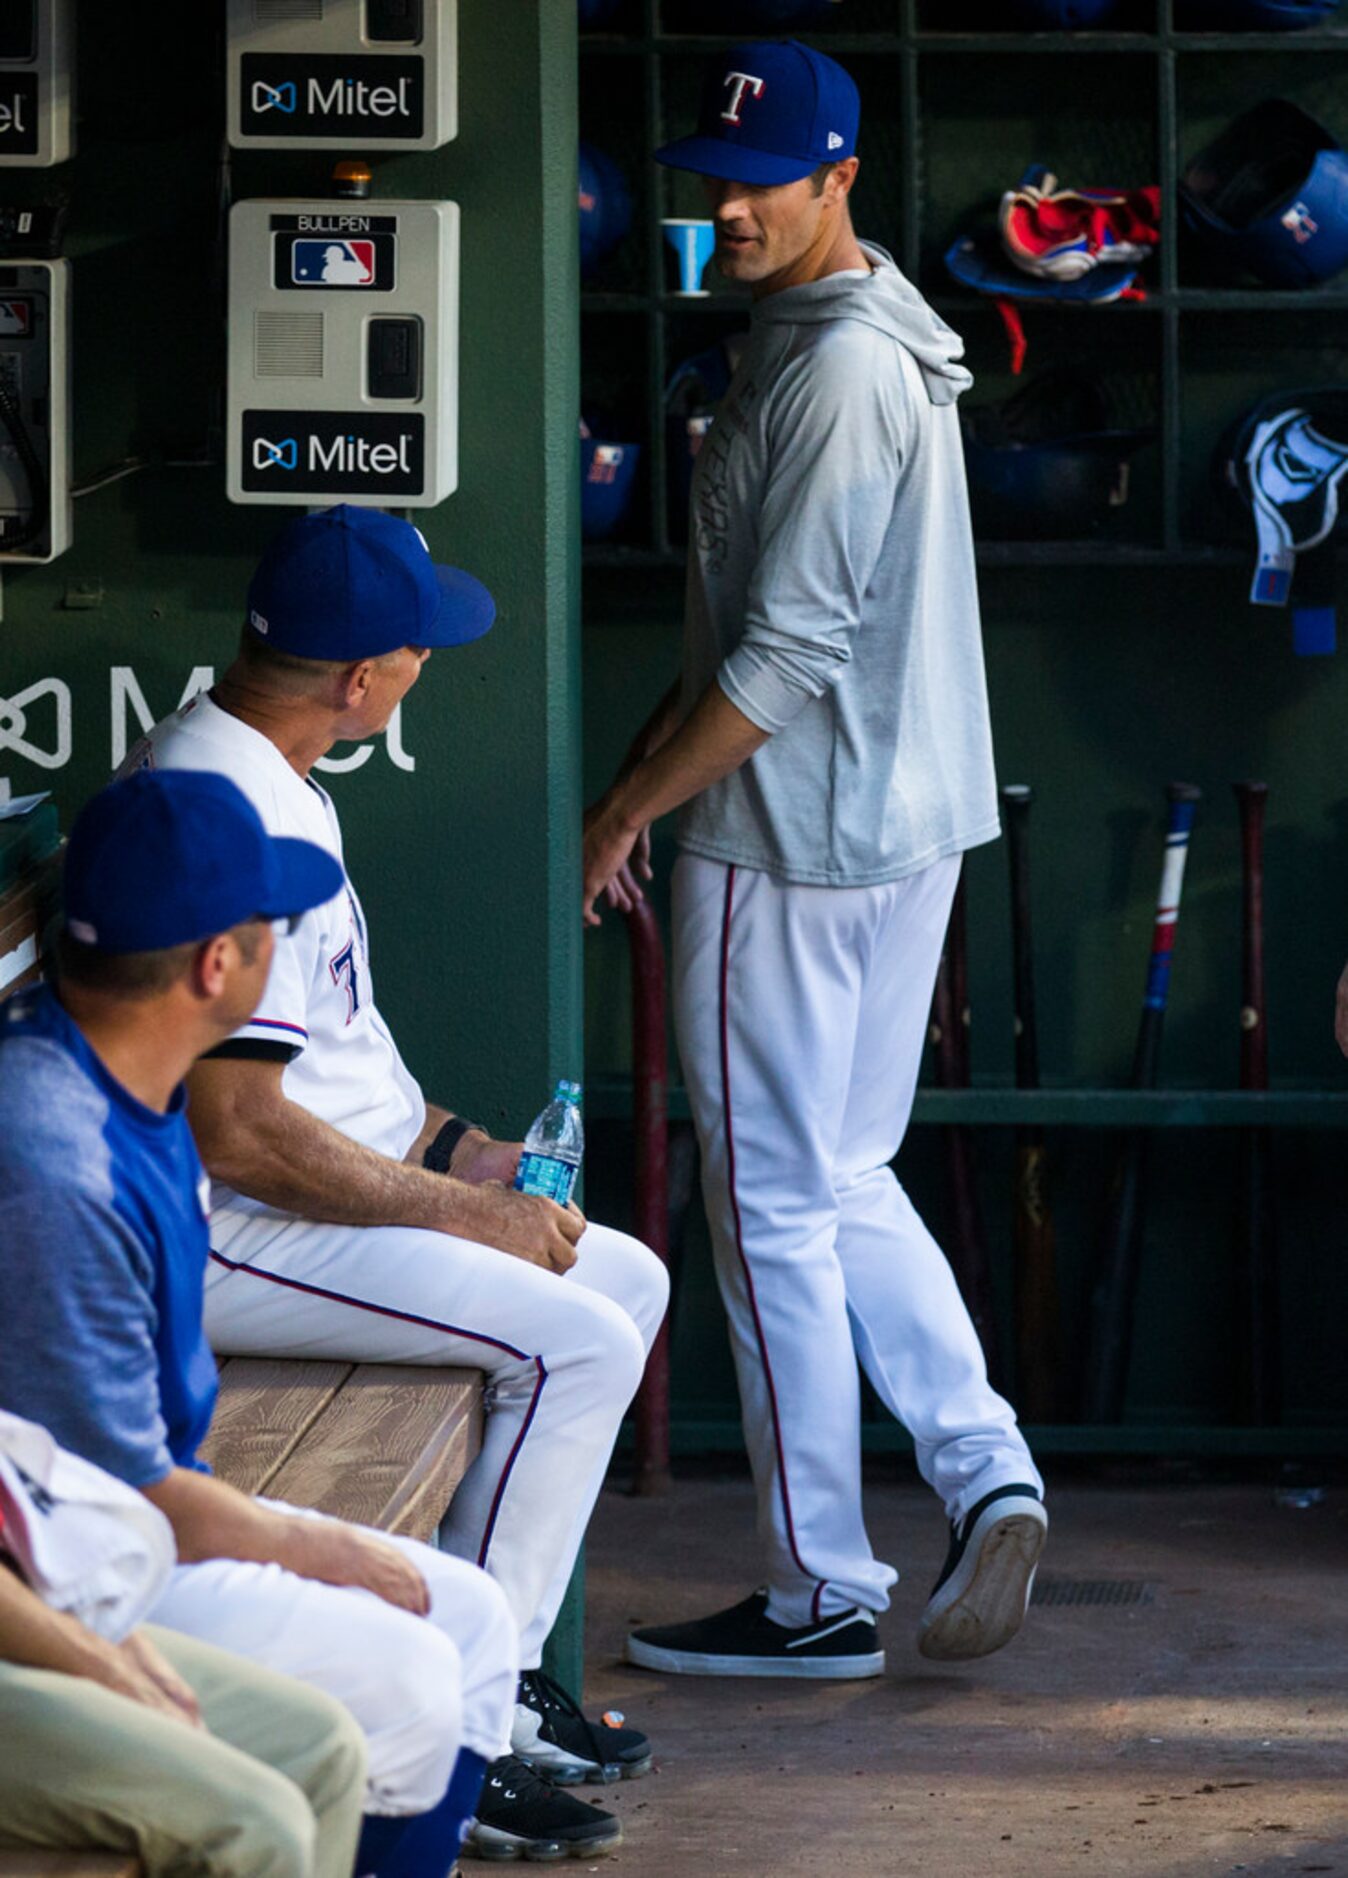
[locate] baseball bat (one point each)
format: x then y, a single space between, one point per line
1121 1248
1034 1263
1256 1239
967 1247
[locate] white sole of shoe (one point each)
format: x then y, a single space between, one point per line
797 1668
495 1846
589 1773
982 1604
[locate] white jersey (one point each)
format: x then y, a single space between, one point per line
319 1000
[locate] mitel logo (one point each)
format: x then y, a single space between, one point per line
317 95
18 115
333 452
273 97
267 455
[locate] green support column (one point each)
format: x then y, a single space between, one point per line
511 844
510 847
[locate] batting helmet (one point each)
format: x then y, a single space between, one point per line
605 207
1271 195
1252 16
750 16
1060 16
607 476
1044 465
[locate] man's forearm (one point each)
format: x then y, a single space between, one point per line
657 730
211 1519
256 1141
33 1634
714 740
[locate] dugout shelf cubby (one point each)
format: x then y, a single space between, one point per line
904 61
949 119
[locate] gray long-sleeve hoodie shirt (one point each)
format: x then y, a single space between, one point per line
831 592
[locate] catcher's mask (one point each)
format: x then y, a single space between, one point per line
1286 460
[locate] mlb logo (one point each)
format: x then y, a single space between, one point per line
16 319
1298 223
607 462
332 263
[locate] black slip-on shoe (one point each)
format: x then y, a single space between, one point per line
521 1815
744 1641
553 1734
979 1601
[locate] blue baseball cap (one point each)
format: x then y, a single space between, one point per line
772 111
165 857
352 583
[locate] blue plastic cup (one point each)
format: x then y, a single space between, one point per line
693 243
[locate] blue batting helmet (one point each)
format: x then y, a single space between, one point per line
1252 16
1060 16
607 479
605 207
1044 464
1271 195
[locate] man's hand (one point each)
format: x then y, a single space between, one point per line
526 1226
334 1553
665 767
478 1157
609 841
624 891
1341 1011
147 1662
135 1669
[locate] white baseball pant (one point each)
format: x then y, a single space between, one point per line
563 1357
420 1688
801 1014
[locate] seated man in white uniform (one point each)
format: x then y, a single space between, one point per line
352 1219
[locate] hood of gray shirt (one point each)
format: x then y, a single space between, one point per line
890 303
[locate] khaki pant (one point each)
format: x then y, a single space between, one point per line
274 1790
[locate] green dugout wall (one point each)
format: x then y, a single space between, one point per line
462 831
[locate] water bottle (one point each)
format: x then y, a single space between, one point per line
553 1147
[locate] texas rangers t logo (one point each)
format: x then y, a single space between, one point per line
740 82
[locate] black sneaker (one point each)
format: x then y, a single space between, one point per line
744 1641
979 1601
522 1815
553 1735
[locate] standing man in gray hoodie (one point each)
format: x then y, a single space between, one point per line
830 741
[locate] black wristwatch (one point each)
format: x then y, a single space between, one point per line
441 1151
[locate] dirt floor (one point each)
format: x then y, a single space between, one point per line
1201 1728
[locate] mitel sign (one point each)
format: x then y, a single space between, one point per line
333 453
366 97
18 114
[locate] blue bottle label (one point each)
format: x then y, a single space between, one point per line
544 1174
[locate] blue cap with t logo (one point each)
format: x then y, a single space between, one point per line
772 111
167 857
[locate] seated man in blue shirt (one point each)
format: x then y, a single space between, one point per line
171 887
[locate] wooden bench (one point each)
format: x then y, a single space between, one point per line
382 1444
36 1864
